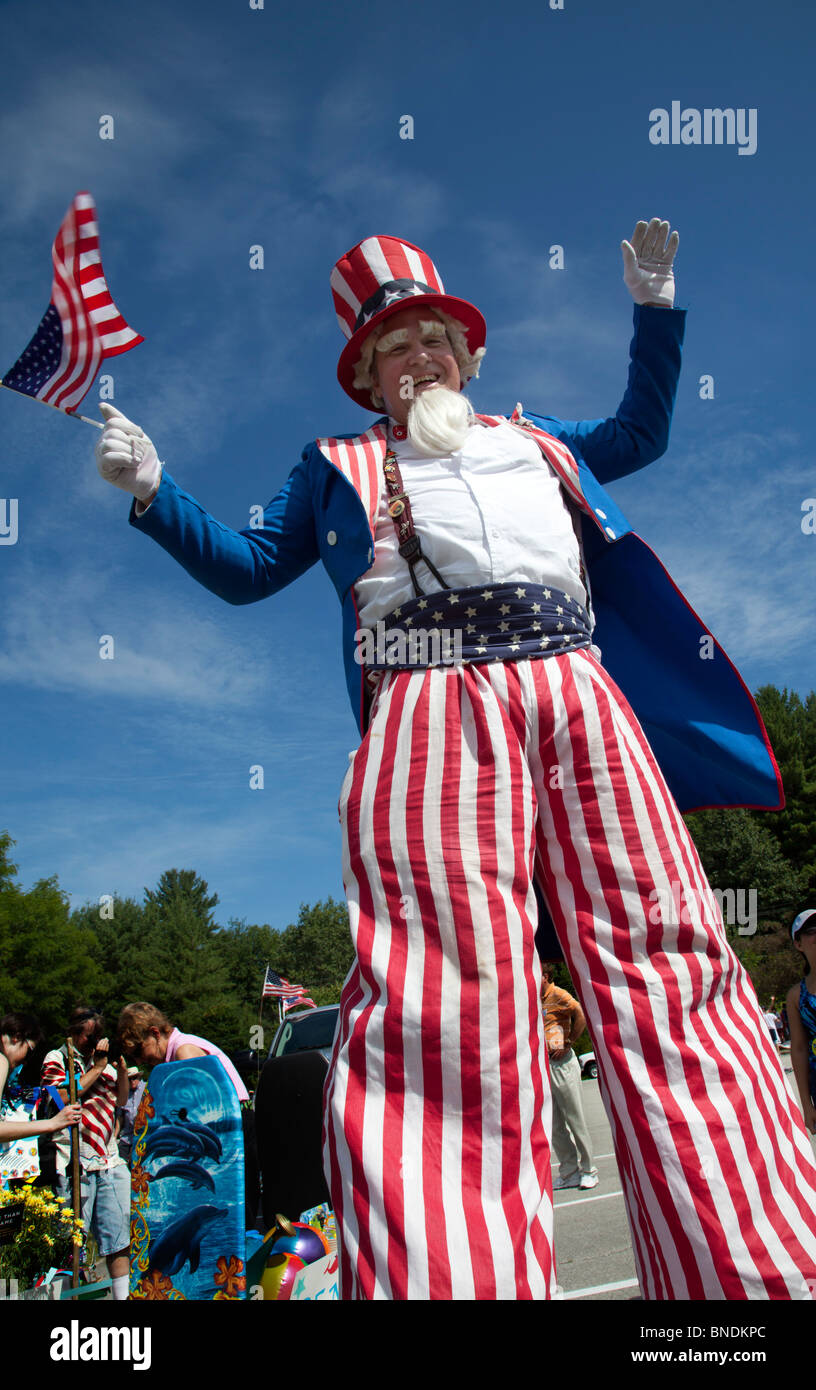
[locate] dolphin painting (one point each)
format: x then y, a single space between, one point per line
185 1168
181 1241
208 1136
174 1140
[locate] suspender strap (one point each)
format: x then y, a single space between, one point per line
399 509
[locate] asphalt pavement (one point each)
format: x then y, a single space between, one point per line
593 1251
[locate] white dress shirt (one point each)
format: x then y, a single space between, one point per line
493 511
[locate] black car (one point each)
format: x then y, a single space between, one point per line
289 1113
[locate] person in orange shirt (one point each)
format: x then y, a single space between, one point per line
563 1024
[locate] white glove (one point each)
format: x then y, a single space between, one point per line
647 263
125 456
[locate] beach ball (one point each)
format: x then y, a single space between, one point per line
278 1279
296 1238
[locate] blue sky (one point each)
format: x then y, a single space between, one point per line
281 127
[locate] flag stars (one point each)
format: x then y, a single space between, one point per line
511 628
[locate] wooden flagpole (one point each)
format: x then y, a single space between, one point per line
75 1174
70 413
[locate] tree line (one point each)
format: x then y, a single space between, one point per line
207 977
168 949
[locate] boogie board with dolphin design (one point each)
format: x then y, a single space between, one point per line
187 1236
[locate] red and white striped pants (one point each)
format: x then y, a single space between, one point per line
437 1099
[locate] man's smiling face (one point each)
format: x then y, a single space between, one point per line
414 345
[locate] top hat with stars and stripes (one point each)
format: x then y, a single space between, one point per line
381 276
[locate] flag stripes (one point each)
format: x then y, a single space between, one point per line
437 1102
82 324
360 461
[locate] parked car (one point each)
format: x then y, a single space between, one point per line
306 1030
289 1113
589 1067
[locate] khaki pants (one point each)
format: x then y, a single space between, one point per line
570 1135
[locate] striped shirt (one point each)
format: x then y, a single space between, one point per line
97 1145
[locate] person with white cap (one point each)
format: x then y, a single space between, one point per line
506 792
800 1002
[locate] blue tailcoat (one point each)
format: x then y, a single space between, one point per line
698 715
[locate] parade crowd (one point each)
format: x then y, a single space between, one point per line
109 1091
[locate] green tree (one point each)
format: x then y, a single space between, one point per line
791 725
119 932
48 963
183 970
316 951
738 852
246 951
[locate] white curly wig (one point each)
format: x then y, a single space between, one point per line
467 362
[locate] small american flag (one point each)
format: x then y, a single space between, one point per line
302 1002
81 325
275 987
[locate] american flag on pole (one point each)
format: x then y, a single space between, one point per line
302 1002
81 325
275 987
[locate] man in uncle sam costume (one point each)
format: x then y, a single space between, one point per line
511 759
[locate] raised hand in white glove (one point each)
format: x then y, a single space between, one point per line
647 263
126 457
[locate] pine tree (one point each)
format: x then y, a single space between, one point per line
183 970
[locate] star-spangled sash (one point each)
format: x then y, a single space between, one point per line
494 622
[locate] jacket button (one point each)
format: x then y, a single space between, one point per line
609 532
332 538
601 514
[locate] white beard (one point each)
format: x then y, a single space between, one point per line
438 421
